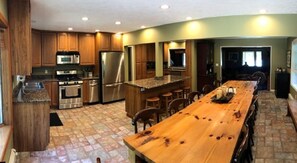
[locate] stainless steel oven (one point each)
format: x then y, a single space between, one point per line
70 89
70 96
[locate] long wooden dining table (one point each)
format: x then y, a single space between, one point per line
204 131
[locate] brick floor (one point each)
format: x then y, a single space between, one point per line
97 131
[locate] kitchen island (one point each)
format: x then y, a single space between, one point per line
31 113
137 91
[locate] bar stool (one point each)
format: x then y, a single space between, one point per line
178 93
153 102
166 99
186 91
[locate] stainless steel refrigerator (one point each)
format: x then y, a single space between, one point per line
112 74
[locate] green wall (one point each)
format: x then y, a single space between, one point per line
3 8
255 30
219 27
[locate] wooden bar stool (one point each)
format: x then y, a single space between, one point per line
153 102
186 91
178 93
166 99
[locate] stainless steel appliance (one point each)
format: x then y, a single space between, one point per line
70 89
93 89
67 57
112 76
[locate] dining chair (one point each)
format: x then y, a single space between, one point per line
217 83
250 121
146 116
207 88
177 104
192 95
98 160
243 151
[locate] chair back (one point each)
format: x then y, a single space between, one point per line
145 116
242 146
177 104
192 95
207 88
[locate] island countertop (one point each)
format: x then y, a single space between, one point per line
157 82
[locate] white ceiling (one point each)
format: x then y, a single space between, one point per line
58 15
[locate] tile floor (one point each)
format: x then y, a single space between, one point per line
97 131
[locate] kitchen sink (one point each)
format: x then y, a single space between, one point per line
32 86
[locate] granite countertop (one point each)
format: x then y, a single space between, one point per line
157 82
90 78
21 96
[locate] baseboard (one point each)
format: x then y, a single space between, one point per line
291 97
12 157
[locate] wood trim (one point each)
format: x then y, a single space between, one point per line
3 21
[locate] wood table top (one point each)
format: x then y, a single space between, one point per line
202 132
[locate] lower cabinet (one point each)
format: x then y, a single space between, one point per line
31 126
85 91
53 92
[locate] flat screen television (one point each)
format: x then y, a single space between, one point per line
177 58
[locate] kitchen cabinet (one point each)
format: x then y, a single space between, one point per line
19 17
116 42
144 53
103 41
108 42
67 41
36 48
53 92
87 49
85 91
49 49
205 55
31 126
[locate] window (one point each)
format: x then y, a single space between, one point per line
252 58
1 46
294 65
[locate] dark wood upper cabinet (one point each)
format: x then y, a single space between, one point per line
36 48
49 49
108 42
67 41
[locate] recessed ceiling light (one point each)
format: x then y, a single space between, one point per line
262 11
142 26
97 30
85 18
118 23
164 7
188 18
70 29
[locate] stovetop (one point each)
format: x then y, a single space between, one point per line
68 77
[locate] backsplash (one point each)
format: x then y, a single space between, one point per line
50 71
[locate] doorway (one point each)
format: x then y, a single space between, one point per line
239 63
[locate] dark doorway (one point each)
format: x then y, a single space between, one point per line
239 63
129 63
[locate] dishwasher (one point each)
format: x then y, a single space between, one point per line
93 89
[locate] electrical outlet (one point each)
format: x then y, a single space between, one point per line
45 71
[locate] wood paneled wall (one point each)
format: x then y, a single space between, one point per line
19 17
6 71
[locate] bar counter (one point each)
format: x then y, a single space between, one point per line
137 91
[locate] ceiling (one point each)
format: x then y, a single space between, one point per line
58 15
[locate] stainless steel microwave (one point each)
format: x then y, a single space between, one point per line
67 57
